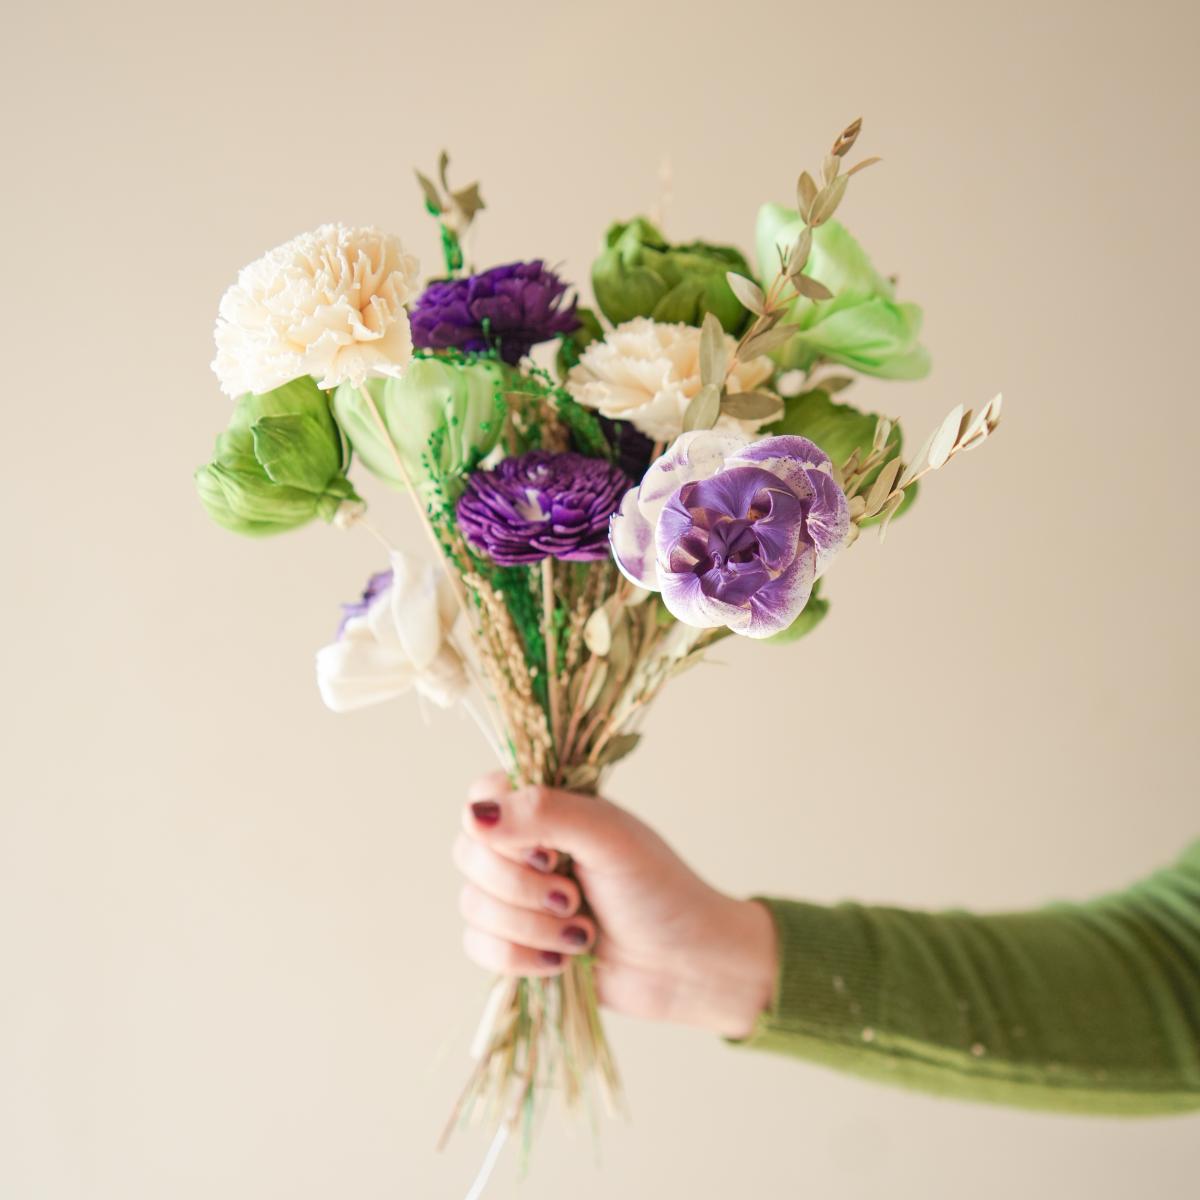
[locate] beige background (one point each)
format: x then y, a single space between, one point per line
230 961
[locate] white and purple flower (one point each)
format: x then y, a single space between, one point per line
395 639
731 531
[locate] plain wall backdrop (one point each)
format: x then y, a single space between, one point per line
229 948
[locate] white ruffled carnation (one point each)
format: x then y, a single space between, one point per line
329 304
647 372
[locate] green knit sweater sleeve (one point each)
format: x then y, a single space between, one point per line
1091 1007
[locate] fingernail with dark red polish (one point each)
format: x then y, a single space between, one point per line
558 901
486 812
539 860
551 958
575 934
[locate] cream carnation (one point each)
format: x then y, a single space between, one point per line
647 372
329 304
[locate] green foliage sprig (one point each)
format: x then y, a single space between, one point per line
455 210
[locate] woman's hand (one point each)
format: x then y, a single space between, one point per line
667 946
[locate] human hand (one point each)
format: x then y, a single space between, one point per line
667 946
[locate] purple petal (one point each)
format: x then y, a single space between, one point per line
774 607
828 517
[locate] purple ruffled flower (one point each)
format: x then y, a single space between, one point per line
376 586
508 309
632 450
541 505
732 532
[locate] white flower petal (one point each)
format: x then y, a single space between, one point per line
329 304
399 643
647 372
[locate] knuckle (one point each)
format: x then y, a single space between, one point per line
511 960
538 801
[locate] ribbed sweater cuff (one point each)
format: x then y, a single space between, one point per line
828 984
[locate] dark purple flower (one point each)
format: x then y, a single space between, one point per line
540 505
632 449
733 532
376 585
508 309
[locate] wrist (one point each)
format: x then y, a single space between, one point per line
730 977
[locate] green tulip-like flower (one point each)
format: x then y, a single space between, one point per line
279 464
442 417
638 274
863 326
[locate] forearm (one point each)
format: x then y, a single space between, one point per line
1092 1007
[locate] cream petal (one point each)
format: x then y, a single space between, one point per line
353 673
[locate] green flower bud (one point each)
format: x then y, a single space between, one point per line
639 275
573 344
279 463
442 417
863 326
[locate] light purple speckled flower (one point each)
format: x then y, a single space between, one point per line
540 505
732 532
509 309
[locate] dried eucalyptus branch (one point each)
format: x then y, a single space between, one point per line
960 430
816 204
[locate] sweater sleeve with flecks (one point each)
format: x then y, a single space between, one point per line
1089 1007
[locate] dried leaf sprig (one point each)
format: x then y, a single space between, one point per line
961 429
817 204
455 210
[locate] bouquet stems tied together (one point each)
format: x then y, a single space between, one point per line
685 473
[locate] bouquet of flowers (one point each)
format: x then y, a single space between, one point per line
680 467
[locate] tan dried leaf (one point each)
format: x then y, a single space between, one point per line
883 431
432 199
704 409
595 686
862 166
582 777
468 201
830 167
797 259
832 384
617 748
881 489
847 138
944 439
765 342
748 292
917 465
713 354
812 288
806 193
888 512
826 204
597 633
751 406
620 653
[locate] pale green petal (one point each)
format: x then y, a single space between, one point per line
442 417
296 451
862 326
